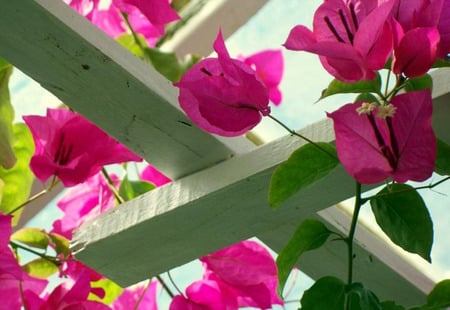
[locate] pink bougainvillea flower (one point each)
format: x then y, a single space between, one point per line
246 271
416 52
353 38
72 294
12 277
153 175
83 7
72 148
269 66
204 295
222 95
141 295
82 203
158 12
397 140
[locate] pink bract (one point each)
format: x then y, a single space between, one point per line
153 175
83 202
222 95
353 38
72 148
402 147
132 295
269 66
158 12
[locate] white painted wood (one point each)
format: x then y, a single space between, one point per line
200 31
98 78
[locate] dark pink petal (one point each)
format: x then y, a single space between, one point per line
206 293
245 263
417 142
5 230
416 52
109 20
153 175
269 66
299 39
132 295
444 30
158 12
223 96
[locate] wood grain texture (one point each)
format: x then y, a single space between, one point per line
101 80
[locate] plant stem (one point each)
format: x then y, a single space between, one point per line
19 246
113 189
141 296
36 196
173 283
351 235
293 132
165 287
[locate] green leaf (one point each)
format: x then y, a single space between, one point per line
422 82
131 189
2 185
128 41
391 305
19 179
309 235
442 164
402 214
366 97
441 63
169 65
304 167
61 244
40 268
339 87
34 237
362 298
439 296
7 156
326 293
112 290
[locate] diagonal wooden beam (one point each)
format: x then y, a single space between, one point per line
101 80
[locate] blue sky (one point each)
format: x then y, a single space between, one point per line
303 81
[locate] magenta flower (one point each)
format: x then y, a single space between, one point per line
396 140
269 66
158 12
82 203
422 34
83 7
222 95
245 271
72 294
353 38
72 148
153 175
145 296
12 278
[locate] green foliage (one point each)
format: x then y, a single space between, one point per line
304 167
391 305
19 179
422 82
112 291
360 298
326 293
40 268
34 237
7 157
339 87
60 244
366 97
131 189
441 63
309 235
169 65
128 41
2 185
439 296
442 165
402 214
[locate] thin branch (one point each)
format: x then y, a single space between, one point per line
113 189
165 287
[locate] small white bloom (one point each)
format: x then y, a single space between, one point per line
366 108
386 111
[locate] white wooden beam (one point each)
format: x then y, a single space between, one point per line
229 15
101 80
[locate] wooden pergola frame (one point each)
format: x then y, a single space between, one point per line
219 193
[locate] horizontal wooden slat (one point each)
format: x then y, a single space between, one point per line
227 203
98 78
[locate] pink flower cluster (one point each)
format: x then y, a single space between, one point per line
355 38
241 275
147 17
